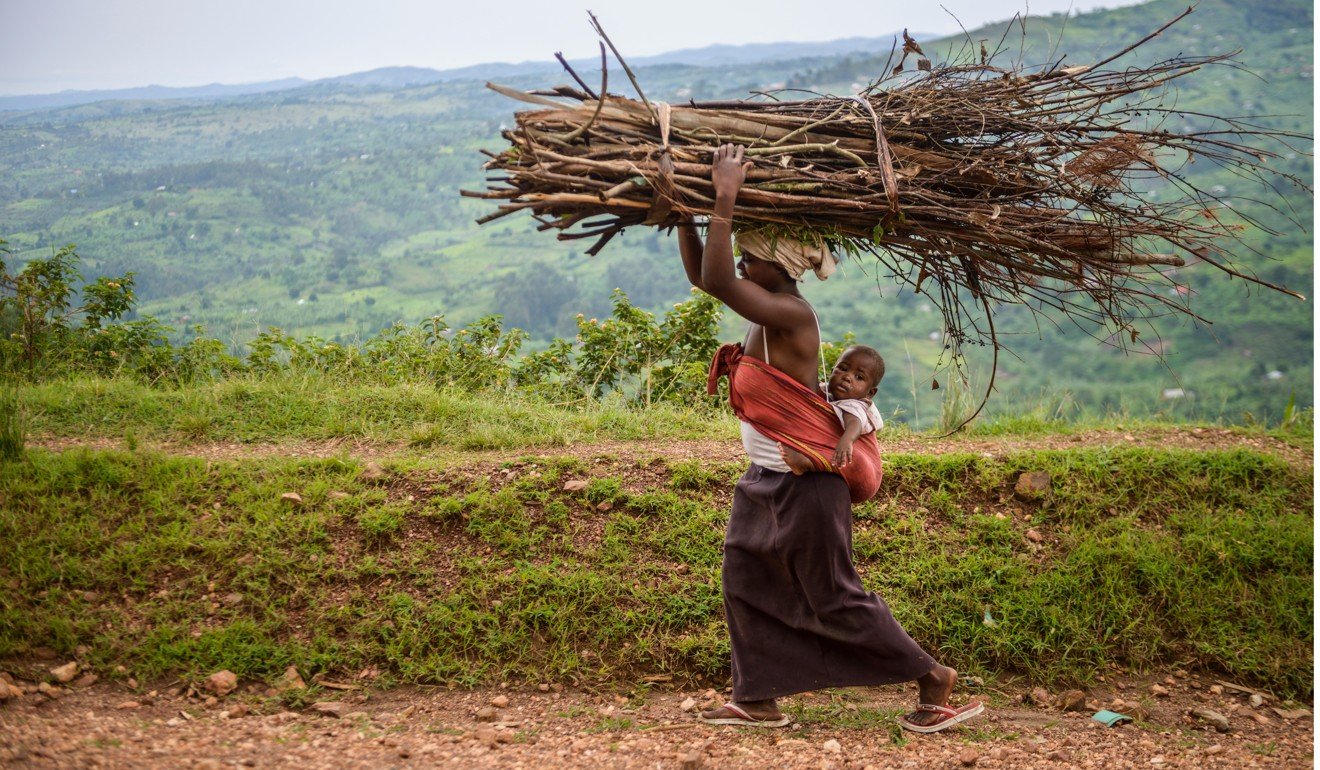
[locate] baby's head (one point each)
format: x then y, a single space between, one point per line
857 373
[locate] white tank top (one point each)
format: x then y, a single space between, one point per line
760 448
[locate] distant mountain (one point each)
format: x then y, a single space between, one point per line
388 77
724 55
211 91
402 77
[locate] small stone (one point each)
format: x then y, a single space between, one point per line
576 485
173 722
691 760
1216 689
832 746
292 498
1072 700
210 701
486 714
1033 535
485 735
129 705
1040 696
1257 700
1170 681
1213 750
290 680
221 682
232 599
1214 718
1159 691
968 756
1261 719
688 704
86 680
66 673
132 683
90 596
208 764
1032 485
1290 713
1028 746
543 687
605 506
47 689
500 701
327 708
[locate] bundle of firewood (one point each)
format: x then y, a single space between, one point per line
984 184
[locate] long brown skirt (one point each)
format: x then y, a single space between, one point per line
799 618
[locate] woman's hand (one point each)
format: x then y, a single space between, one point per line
728 170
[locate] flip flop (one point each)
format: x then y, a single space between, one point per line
741 718
948 717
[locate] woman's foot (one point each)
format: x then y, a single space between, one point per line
795 460
934 688
757 713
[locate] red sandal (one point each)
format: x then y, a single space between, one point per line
948 717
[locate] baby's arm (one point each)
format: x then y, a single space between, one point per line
852 428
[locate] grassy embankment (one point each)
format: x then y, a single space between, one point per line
449 565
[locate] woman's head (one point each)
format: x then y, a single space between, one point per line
762 272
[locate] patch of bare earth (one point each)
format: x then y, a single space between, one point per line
109 725
1191 438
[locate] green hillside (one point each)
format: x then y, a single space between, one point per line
333 210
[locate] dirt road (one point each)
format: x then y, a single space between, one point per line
110 725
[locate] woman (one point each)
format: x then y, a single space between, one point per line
798 616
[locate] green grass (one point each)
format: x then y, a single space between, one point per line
290 408
13 425
293 408
453 571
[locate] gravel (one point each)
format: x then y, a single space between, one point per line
407 727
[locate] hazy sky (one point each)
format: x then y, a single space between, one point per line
54 45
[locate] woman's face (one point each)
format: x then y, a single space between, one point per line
760 272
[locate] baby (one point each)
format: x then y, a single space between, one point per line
851 386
